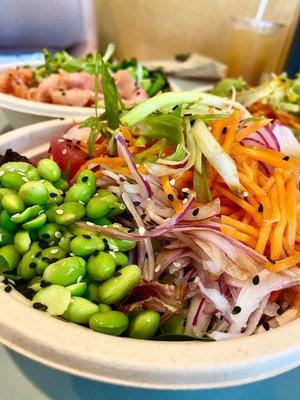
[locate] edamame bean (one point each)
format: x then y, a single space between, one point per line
48 256
80 310
109 322
144 325
61 184
28 214
104 307
50 233
80 192
65 272
35 283
117 288
50 212
86 245
118 208
27 266
13 204
12 180
102 221
77 289
6 222
35 223
65 241
54 194
78 231
33 193
97 208
121 259
56 298
3 192
92 292
88 177
17 166
6 237
101 266
48 169
68 213
33 175
22 241
9 258
119 244
174 325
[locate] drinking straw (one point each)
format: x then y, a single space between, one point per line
260 11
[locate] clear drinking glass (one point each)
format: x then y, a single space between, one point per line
254 48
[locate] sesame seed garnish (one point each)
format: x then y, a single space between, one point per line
136 203
87 236
79 279
54 251
38 306
81 202
271 261
142 231
90 223
96 252
195 212
185 201
59 211
266 325
130 230
61 140
1 173
25 179
260 208
185 190
172 182
113 254
255 280
52 194
32 265
286 158
236 310
245 194
170 197
280 310
7 289
224 130
57 234
72 254
177 264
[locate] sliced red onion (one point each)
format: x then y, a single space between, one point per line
287 142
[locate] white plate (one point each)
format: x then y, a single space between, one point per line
20 112
149 364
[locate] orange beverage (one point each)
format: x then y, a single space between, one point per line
254 48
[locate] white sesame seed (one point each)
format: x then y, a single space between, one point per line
20 173
148 199
157 268
25 179
185 190
116 225
1 237
72 254
113 247
90 223
105 226
1 173
113 254
60 140
172 182
81 202
40 212
64 151
57 234
142 231
11 281
79 279
177 264
54 251
245 194
138 165
59 211
167 219
185 201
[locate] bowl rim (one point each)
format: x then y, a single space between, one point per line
138 363
14 103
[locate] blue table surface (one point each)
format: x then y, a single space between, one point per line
23 379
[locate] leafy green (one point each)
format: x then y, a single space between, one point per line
159 147
201 186
96 126
224 87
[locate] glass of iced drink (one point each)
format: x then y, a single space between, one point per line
254 48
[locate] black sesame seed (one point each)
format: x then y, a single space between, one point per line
78 141
84 178
38 253
122 179
32 265
224 130
170 197
37 305
63 195
185 195
42 244
130 230
44 284
45 259
266 325
96 252
236 310
45 236
280 310
136 203
192 122
53 260
195 212
143 216
52 194
260 208
7 289
87 236
286 158
255 280
271 261
28 293
5 281
87 157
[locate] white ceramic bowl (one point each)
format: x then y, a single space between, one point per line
149 364
20 112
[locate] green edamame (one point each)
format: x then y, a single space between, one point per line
80 310
27 215
33 193
48 169
22 241
104 307
12 180
27 266
56 298
17 166
68 213
92 292
6 237
109 322
61 184
121 259
65 241
102 221
35 283
54 194
101 266
9 258
117 288
6 222
65 272
13 204
35 223
77 289
80 192
48 256
86 245
97 208
144 325
174 325
50 233
50 212
119 244
88 177
78 231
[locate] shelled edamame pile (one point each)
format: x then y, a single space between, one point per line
65 270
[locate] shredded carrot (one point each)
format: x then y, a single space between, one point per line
235 234
297 303
246 228
230 136
168 189
283 264
127 135
246 131
185 180
251 186
263 238
274 296
291 206
247 218
238 214
227 211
